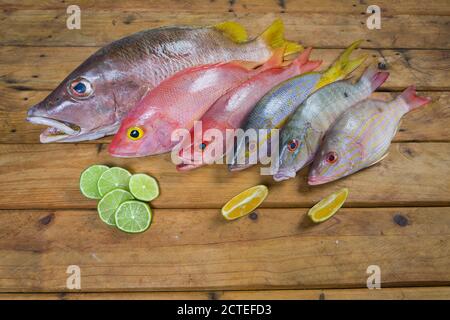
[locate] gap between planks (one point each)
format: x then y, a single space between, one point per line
437 292
46 27
279 250
415 170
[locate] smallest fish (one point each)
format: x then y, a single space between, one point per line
361 136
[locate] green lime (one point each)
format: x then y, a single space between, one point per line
133 216
110 202
89 179
144 187
114 178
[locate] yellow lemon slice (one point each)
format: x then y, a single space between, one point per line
328 206
245 202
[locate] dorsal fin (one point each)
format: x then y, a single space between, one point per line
233 30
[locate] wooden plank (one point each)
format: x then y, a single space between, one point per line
325 29
425 124
41 68
25 70
435 7
46 176
415 293
197 249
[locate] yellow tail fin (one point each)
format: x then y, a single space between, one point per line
273 36
232 30
342 67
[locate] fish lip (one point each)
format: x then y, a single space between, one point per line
187 160
116 154
238 167
67 131
285 174
186 167
316 180
63 129
67 127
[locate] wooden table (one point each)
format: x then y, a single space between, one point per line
397 215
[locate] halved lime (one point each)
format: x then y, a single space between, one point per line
144 187
110 202
133 216
114 178
89 181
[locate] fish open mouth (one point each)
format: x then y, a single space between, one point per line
63 131
57 130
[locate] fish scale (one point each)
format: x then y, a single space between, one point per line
176 103
313 118
273 110
117 76
361 136
229 111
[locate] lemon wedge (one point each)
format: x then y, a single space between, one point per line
245 202
328 206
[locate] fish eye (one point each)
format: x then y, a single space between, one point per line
202 146
292 145
135 133
331 157
80 88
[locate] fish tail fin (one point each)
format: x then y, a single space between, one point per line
233 30
273 37
292 47
303 62
275 60
342 67
412 99
374 77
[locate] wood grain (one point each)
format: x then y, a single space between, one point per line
41 68
436 7
190 251
409 293
28 74
197 249
324 30
47 176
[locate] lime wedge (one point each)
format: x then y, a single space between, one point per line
144 187
89 179
133 216
114 178
110 202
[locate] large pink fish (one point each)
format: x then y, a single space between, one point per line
176 103
91 102
231 110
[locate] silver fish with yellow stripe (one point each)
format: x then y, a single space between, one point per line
361 137
301 136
